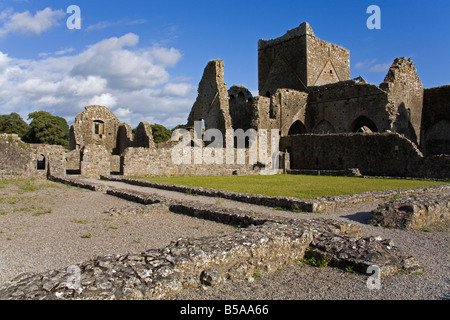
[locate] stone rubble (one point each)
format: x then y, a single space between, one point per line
413 212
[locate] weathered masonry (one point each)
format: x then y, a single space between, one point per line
325 120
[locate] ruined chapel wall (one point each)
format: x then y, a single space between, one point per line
96 125
327 62
435 138
21 159
405 90
95 161
345 106
381 154
211 104
158 162
240 107
282 64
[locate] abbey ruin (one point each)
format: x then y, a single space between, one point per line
323 122
326 121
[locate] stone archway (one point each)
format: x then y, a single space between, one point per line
297 128
323 127
363 124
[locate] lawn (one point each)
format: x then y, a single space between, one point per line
299 186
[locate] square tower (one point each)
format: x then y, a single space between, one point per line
299 60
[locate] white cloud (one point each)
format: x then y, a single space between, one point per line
106 24
177 89
122 112
26 23
124 68
364 64
380 67
105 99
370 66
132 81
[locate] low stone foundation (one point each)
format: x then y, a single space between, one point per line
159 274
290 203
261 244
412 212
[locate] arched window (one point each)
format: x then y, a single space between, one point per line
324 126
362 123
297 128
241 96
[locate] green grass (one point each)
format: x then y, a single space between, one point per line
319 263
298 186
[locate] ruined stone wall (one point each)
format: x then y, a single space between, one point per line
73 159
435 126
405 92
96 125
326 62
298 60
212 100
95 161
144 136
347 106
282 62
280 111
30 160
158 162
124 138
240 107
414 212
382 154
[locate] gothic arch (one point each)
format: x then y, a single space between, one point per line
362 123
297 128
324 126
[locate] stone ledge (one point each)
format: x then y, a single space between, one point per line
79 183
412 212
161 273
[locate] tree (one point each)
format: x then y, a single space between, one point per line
160 133
47 128
13 123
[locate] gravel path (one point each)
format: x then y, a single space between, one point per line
54 240
57 226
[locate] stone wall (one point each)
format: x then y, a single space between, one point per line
95 161
30 160
95 125
381 154
347 106
436 121
240 107
143 137
298 60
327 62
405 91
212 104
414 212
158 162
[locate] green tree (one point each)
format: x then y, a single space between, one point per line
13 123
47 128
160 133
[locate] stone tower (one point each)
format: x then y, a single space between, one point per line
299 60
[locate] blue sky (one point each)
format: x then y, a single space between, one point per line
144 59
